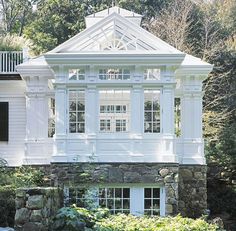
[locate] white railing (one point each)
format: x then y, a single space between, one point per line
10 59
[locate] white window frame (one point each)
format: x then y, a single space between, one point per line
76 111
160 110
80 74
136 196
149 74
119 74
109 112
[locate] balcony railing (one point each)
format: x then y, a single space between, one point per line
10 59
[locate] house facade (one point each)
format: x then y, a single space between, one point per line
114 110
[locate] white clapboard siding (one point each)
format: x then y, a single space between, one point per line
13 150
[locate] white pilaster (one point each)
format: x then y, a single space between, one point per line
36 149
136 122
191 121
91 110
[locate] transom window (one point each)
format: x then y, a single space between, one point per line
114 110
114 74
76 74
76 111
117 200
152 111
152 74
152 201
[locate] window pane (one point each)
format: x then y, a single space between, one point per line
151 111
113 110
118 203
126 204
156 193
126 193
72 106
156 204
72 116
118 192
76 111
147 203
147 193
72 128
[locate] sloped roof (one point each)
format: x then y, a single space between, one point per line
112 28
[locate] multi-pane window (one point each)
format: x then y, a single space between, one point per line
152 111
152 74
152 201
114 74
117 200
114 110
177 117
76 74
76 111
51 117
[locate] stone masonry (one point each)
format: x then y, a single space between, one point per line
192 190
185 187
35 207
121 173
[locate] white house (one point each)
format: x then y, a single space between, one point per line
112 96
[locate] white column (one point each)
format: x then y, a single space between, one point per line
61 124
36 120
167 100
91 110
191 121
197 104
187 113
136 114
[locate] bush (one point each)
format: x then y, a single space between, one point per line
77 219
7 206
123 222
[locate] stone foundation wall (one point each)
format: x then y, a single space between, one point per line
35 207
123 173
192 190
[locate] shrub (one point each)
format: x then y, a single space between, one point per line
123 222
13 43
7 206
77 219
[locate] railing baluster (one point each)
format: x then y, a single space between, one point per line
9 60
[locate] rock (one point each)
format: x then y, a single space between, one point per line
22 216
168 179
198 175
36 216
32 226
20 192
164 172
20 203
169 209
35 202
132 177
115 175
186 174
